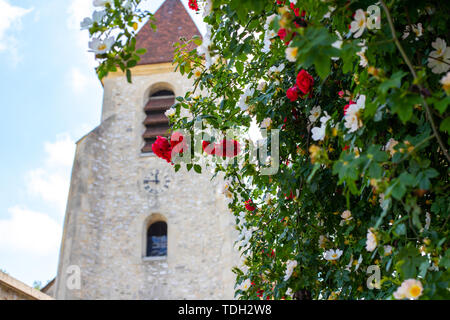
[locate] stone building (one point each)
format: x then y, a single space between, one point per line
13 289
135 229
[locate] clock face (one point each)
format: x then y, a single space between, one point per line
157 181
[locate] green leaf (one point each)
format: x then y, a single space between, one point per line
397 189
128 73
348 55
403 105
408 262
197 168
131 63
407 179
393 82
141 51
445 125
445 260
239 67
423 269
423 178
323 65
441 105
375 170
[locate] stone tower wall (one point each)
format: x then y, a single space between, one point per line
108 210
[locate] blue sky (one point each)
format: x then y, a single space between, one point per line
50 97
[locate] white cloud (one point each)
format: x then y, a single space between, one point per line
34 236
61 152
78 9
51 181
80 81
29 231
10 17
51 187
82 77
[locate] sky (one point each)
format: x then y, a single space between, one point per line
49 98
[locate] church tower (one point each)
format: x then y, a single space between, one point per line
135 229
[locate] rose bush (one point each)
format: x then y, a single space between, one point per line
360 95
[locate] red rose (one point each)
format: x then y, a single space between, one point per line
348 105
294 113
296 10
228 148
269 254
304 82
290 197
208 148
260 293
341 93
282 33
161 147
193 5
284 125
249 205
177 143
292 93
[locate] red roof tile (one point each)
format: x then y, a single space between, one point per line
173 22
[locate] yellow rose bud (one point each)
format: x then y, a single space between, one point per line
373 71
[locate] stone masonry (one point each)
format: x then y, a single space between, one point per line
108 210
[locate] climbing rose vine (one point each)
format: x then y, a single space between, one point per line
359 91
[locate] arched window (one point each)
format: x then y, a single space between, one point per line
157 239
156 122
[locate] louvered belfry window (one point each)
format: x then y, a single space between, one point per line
156 122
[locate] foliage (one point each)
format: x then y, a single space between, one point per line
119 21
384 159
37 285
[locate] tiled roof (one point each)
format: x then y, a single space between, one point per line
173 22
